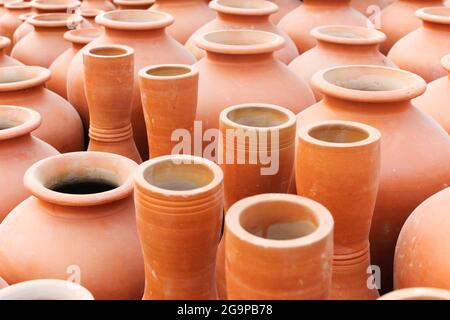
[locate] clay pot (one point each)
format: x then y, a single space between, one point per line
430 43
340 45
238 14
370 7
133 4
189 16
144 31
5 60
434 101
59 68
3 283
399 19
18 151
285 6
422 256
85 201
381 97
417 294
265 236
103 5
52 6
315 13
10 21
89 15
24 28
338 165
240 67
46 289
24 86
109 79
168 90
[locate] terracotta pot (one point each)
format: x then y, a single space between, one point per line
265 236
5 60
24 86
59 68
422 256
179 217
417 294
434 101
168 89
46 289
104 5
338 165
399 19
89 15
52 6
239 14
85 201
24 28
236 70
144 31
381 97
370 7
285 6
18 150
133 4
183 12
340 45
315 13
10 21
430 42
3 283
109 78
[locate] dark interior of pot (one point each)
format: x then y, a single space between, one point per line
240 37
178 176
108 51
260 117
83 186
134 16
278 220
338 133
168 71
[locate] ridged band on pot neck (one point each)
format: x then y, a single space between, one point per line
168 72
252 219
81 167
22 77
417 294
55 20
134 3
434 15
17 6
5 42
45 289
134 19
348 35
244 8
55 5
240 42
17 121
370 84
83 36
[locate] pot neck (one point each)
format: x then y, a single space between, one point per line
246 59
366 107
432 26
237 18
147 34
334 3
347 48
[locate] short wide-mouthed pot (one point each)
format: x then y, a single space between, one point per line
417 294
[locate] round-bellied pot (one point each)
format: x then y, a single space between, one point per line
108 84
59 68
133 4
24 86
338 165
399 19
189 16
238 59
46 289
422 256
85 201
5 60
144 31
285 6
265 236
10 21
421 50
239 14
179 217
434 101
104 5
168 89
315 13
381 97
24 28
340 45
18 151
417 294
370 7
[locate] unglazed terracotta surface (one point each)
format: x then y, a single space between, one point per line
370 7
285 6
10 21
104 5
133 4
5 60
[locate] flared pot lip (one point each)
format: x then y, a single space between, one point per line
55 20
4 42
144 72
268 42
179 158
24 16
445 62
413 85
151 19
37 76
89 12
420 293
90 52
84 35
263 8
26 121
35 178
373 135
439 15
17 5
34 290
322 215
48 6
363 36
134 2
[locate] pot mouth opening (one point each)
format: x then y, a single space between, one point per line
168 71
52 5
22 77
17 121
83 36
55 20
134 19
109 51
439 15
350 35
246 8
134 2
4 42
17 5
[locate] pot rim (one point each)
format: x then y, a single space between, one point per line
322 215
373 135
431 14
134 2
367 36
76 35
154 19
265 8
126 51
272 42
27 121
54 20
24 16
193 71
4 42
445 62
412 86
17 5
44 5
419 293
89 12
120 166
36 76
